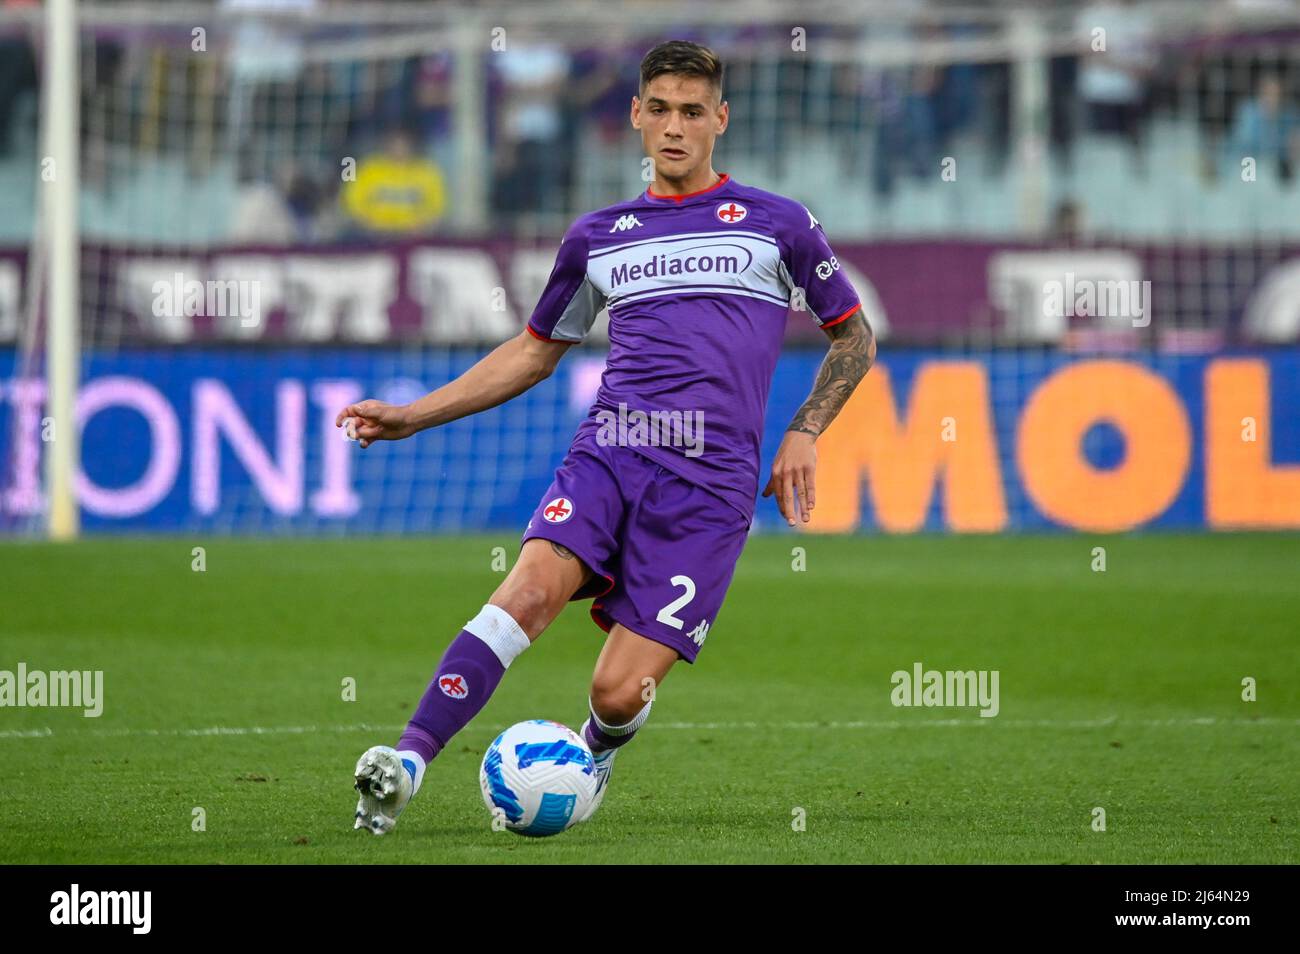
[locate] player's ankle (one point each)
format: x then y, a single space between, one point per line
419 741
414 764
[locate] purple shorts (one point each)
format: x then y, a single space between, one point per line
663 550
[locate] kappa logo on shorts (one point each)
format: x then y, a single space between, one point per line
453 684
700 633
558 510
731 212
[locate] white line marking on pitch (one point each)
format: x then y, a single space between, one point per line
975 722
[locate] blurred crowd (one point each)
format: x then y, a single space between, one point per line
358 150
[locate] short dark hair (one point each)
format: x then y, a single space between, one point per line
685 58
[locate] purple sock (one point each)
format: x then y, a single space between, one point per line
467 675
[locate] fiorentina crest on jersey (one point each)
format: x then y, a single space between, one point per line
731 212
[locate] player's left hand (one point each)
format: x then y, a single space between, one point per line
793 476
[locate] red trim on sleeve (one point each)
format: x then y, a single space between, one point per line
539 337
836 321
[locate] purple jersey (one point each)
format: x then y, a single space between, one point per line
698 288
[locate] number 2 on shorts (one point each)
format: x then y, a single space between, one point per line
666 614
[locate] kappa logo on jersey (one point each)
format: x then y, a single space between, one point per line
453 684
700 633
558 510
626 222
731 212
812 219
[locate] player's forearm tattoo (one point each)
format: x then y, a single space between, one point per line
853 350
563 552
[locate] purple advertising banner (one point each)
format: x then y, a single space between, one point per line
1175 297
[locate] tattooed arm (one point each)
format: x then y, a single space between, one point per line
852 352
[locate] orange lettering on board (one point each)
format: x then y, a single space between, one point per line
1242 487
903 459
1061 482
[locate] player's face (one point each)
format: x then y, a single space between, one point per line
679 118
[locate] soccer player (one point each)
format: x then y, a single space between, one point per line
698 273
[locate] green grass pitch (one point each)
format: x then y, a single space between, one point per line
1119 690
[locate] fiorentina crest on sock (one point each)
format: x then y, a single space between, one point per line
538 778
453 684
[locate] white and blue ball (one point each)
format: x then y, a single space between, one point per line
539 777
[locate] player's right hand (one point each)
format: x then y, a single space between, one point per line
377 421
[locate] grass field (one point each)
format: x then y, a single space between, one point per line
1118 689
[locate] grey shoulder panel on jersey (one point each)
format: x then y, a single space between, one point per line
790 283
580 313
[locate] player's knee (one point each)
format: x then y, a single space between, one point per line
617 700
529 602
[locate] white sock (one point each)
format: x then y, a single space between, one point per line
616 730
626 728
498 629
418 762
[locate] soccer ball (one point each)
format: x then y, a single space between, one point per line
539 777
